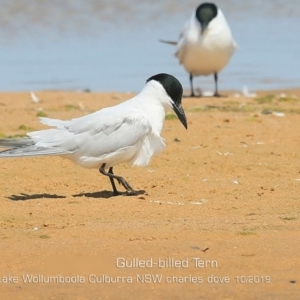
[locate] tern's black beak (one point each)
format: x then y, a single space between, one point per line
204 25
180 114
205 13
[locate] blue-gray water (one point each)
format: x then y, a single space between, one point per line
113 45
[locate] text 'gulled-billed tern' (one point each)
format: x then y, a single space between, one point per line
126 133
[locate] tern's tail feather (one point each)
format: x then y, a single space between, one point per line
26 147
168 42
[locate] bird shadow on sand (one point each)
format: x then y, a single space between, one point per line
24 197
107 194
101 194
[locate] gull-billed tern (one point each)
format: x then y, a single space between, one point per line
126 133
205 45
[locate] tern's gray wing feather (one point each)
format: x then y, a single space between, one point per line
10 143
31 150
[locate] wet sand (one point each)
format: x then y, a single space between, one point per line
217 215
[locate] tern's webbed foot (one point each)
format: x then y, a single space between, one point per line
129 190
131 193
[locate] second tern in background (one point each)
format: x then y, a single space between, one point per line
206 44
126 133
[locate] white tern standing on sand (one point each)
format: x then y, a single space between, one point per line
206 44
126 133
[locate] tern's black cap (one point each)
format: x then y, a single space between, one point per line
171 84
205 13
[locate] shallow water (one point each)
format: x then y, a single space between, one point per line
113 45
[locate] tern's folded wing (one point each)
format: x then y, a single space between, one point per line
113 135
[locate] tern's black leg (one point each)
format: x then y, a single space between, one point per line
110 171
192 88
121 180
216 84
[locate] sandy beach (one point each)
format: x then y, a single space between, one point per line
217 214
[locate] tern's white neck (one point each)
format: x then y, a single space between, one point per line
154 93
155 102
